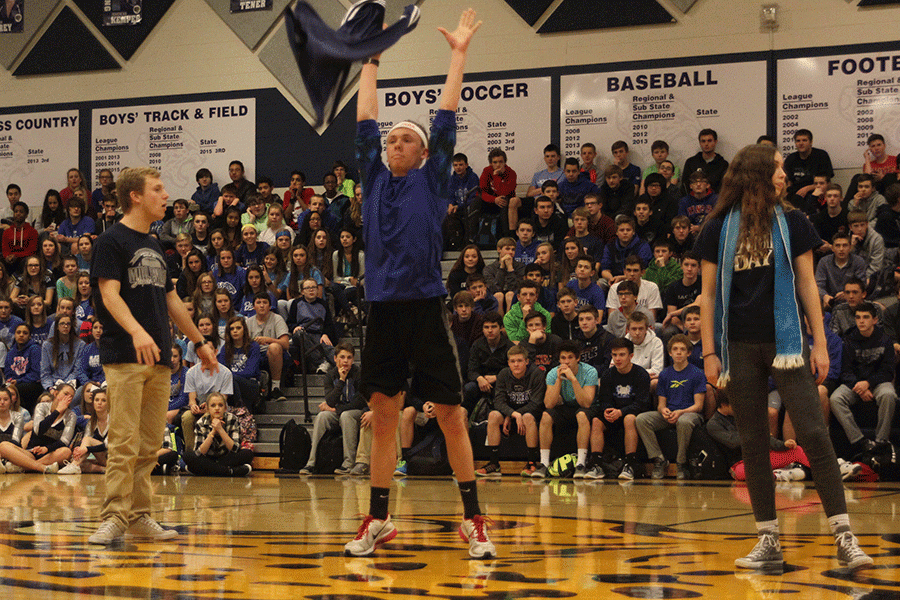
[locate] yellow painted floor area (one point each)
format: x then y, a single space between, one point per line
269 538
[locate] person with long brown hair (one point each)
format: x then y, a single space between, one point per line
59 354
470 261
758 284
242 356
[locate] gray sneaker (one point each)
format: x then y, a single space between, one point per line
659 468
342 470
360 470
540 472
307 470
766 554
109 531
849 553
580 472
146 528
627 472
682 473
596 472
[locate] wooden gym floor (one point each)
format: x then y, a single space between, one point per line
263 538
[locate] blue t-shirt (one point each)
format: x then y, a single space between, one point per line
546 175
403 216
592 294
632 173
586 375
679 387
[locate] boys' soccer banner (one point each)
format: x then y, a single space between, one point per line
176 139
12 16
239 6
842 99
669 104
504 114
121 12
36 150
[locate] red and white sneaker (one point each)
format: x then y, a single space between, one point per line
371 534
474 531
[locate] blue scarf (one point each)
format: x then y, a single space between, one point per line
789 332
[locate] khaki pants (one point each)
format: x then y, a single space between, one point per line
138 399
364 447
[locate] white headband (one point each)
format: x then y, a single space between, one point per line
410 125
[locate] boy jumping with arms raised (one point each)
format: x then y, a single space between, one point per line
406 201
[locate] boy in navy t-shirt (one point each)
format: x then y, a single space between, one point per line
623 393
631 173
681 390
135 299
406 201
526 247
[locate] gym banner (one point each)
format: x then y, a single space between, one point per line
121 12
12 16
176 139
36 150
239 6
842 99
491 114
669 104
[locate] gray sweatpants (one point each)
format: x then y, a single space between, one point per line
348 421
748 391
649 423
844 398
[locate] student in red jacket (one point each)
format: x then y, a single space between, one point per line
19 239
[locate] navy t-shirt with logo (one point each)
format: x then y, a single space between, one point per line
751 315
137 261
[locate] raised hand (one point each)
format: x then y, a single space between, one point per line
459 39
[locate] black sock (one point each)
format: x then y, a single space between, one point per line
596 457
495 454
378 502
534 455
404 453
469 492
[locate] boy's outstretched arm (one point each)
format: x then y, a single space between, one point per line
459 46
367 97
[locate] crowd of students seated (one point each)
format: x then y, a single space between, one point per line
263 276
587 321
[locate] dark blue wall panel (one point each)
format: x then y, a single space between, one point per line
66 47
126 38
577 15
530 10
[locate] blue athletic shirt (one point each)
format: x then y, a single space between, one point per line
402 216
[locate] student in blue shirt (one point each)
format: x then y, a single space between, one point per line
526 247
585 285
569 400
681 389
406 201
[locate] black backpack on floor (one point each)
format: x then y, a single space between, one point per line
429 456
706 459
294 447
330 452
